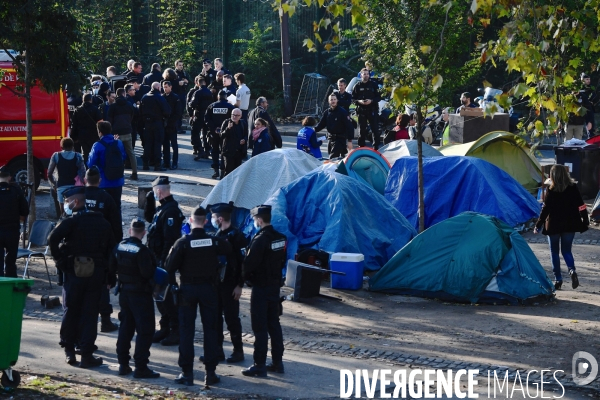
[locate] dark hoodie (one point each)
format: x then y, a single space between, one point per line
120 116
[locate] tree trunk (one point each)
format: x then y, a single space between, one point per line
29 129
420 170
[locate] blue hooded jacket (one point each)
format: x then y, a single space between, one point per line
97 155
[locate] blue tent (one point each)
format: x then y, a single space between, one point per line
336 213
457 184
369 166
477 258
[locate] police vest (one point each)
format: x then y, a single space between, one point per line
128 268
200 259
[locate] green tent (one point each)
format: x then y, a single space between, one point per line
506 151
477 258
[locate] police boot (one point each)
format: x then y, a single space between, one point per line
70 357
255 370
222 174
124 369
89 361
211 378
276 367
107 325
172 339
185 379
216 174
145 373
236 356
160 334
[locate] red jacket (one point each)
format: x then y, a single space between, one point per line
401 133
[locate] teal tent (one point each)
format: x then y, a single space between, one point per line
477 258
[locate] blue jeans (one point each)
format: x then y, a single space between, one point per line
562 242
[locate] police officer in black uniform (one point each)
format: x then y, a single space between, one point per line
13 210
98 200
154 110
200 101
262 268
81 247
339 127
344 97
208 72
162 234
135 266
366 97
230 288
216 114
176 106
195 256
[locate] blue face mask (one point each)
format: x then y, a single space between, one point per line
68 210
256 225
214 223
156 196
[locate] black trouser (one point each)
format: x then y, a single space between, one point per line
264 311
86 147
204 296
104 307
81 297
169 317
134 135
372 118
215 141
154 135
230 163
205 139
230 308
195 135
170 141
136 316
115 193
337 147
9 246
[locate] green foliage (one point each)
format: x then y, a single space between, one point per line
548 45
261 62
104 32
179 35
48 33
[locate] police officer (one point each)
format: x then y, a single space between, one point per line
230 288
208 72
135 266
344 97
154 110
216 114
366 97
262 268
98 200
81 246
13 211
339 127
195 256
162 234
201 99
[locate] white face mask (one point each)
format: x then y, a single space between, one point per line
68 209
214 223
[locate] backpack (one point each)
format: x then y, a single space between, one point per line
114 168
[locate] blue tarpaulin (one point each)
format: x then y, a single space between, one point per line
336 213
457 184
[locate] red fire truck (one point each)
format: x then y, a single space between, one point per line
50 116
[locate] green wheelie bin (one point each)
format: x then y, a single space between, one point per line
13 292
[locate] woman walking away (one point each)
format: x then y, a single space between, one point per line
563 214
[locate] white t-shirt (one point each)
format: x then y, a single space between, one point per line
243 95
